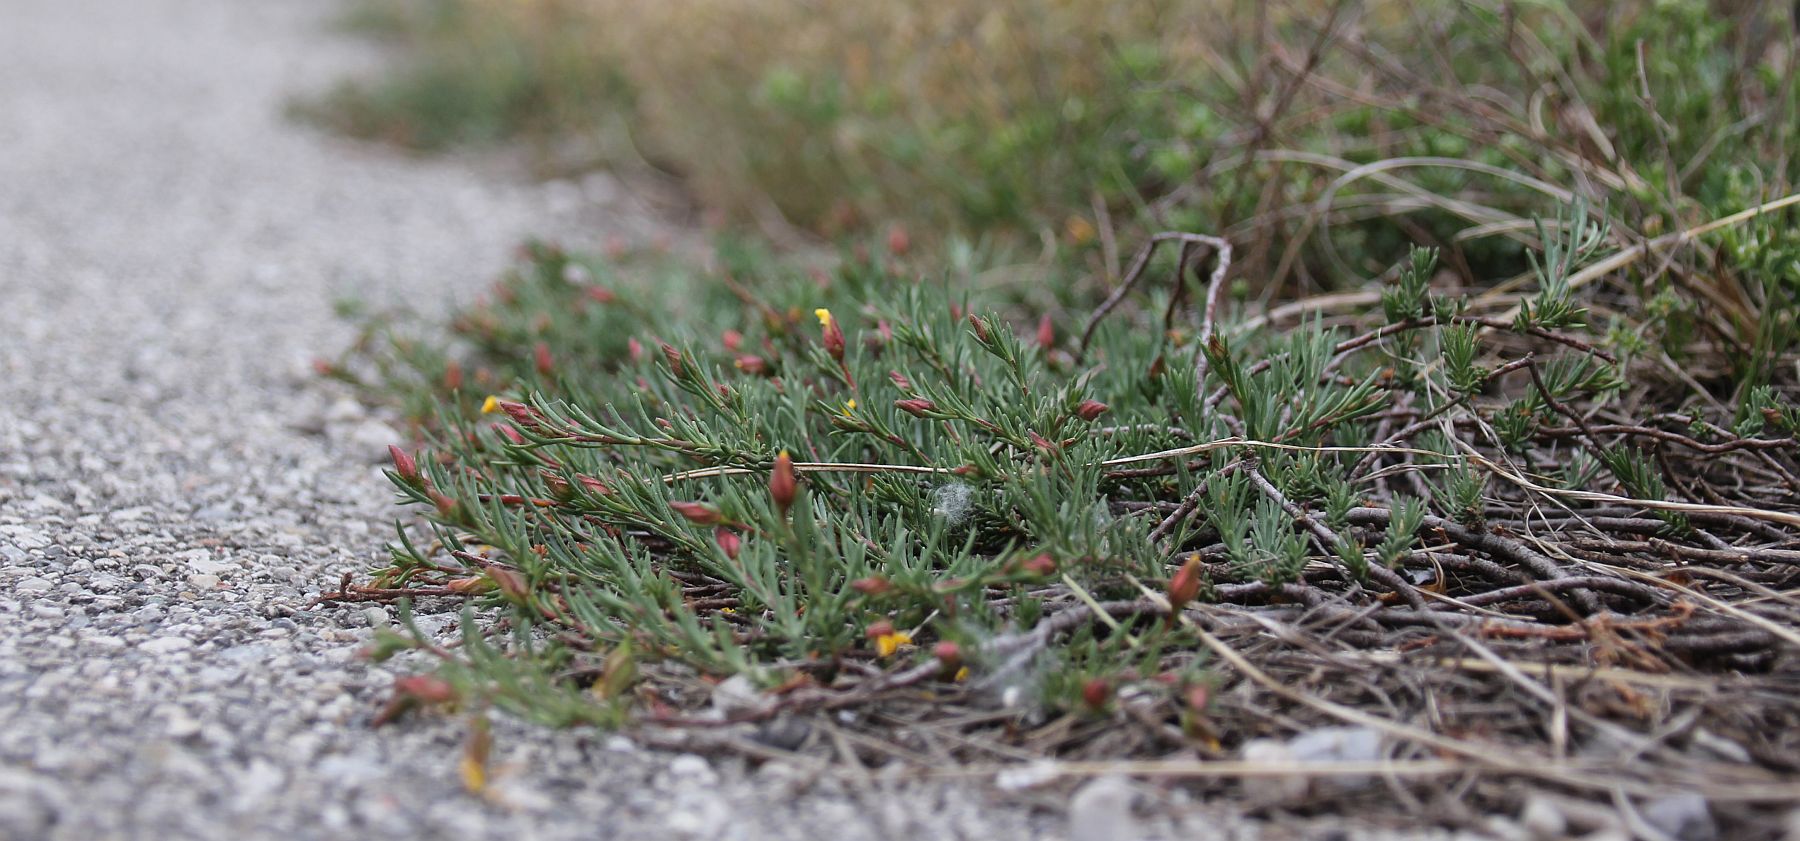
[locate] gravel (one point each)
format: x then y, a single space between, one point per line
175 485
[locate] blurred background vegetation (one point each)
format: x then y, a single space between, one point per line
1024 113
1324 139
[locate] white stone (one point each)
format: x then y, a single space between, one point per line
1101 811
166 645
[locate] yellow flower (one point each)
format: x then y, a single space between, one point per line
474 774
1080 230
962 674
490 405
887 644
824 316
849 406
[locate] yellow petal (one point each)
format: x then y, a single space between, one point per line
474 774
824 316
887 644
490 405
962 674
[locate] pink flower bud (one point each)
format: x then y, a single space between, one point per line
1091 409
427 689
898 241
1041 565
1185 585
697 513
783 483
872 586
728 541
1095 693
916 407
405 467
980 326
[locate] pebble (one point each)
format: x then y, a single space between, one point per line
166 645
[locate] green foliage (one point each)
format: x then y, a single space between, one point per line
1511 230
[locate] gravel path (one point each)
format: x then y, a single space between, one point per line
174 486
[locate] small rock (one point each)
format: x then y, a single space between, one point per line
1029 775
29 805
33 586
370 439
166 645
203 582
1543 818
693 767
1684 817
1274 789
1101 811
376 616
739 693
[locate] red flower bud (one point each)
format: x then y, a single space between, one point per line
405 467
980 326
509 433
733 339
872 586
426 689
1046 334
947 652
1091 409
1042 565
898 241
593 485
1185 585
635 349
697 513
1095 693
558 486
453 376
783 483
541 358
673 356
751 364
834 339
916 407
601 294
521 414
900 381
728 541
446 506
879 628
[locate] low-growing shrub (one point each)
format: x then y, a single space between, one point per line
1480 369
